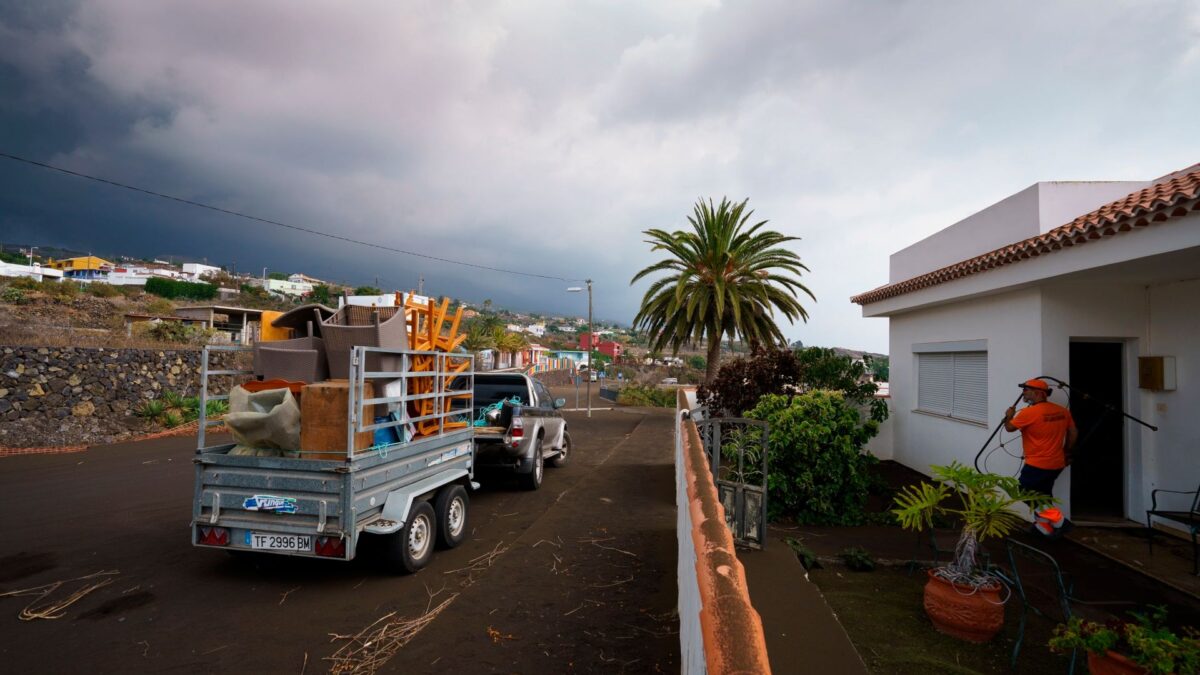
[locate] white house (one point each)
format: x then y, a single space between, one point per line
536 329
34 271
1083 282
197 271
285 287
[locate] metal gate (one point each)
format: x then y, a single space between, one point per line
737 455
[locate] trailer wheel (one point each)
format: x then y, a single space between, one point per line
411 548
451 509
533 479
564 455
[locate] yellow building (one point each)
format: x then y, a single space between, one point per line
87 262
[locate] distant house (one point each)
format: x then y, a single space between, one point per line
34 271
536 329
295 289
607 347
1092 284
82 263
197 271
579 357
240 324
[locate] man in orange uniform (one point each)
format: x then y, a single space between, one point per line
1047 435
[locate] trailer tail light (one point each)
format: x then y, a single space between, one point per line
214 536
331 547
516 432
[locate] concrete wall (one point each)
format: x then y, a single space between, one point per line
1010 323
883 446
1032 211
719 629
1171 456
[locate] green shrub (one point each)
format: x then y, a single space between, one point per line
26 284
216 408
160 307
171 419
650 396
102 290
170 288
817 470
63 291
151 409
172 400
806 555
741 382
177 331
858 559
13 296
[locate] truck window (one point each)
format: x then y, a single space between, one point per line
490 389
543 394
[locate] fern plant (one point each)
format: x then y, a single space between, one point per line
984 505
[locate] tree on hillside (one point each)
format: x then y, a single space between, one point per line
725 279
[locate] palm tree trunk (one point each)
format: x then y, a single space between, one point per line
714 359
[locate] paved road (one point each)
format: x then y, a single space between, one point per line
585 581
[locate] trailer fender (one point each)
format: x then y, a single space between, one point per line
399 502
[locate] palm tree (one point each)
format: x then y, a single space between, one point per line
726 278
478 339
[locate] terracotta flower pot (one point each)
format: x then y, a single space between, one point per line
1112 663
962 611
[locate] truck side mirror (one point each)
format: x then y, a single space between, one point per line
559 402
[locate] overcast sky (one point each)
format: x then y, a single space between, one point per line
545 137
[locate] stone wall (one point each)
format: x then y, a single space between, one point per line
74 395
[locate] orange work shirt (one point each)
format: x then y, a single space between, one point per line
1043 433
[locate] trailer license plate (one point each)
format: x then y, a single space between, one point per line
281 542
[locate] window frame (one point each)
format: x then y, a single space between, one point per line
963 357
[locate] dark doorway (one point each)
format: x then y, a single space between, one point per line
1098 462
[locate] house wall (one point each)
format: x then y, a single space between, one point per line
1032 211
1011 325
1096 311
1170 455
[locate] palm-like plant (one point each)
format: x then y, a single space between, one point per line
986 511
726 278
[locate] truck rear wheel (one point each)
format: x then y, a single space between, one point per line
533 479
563 455
451 509
411 548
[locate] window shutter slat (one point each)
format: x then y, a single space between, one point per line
970 386
935 382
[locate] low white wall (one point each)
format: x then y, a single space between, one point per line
883 446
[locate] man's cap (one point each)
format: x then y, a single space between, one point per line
1035 384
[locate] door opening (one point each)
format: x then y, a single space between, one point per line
1098 461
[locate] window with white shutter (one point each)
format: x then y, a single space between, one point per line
953 384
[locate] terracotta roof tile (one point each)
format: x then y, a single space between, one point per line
1157 203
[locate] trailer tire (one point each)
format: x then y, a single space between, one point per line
411 548
451 509
563 455
533 479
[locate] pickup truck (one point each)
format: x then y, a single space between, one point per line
528 432
410 493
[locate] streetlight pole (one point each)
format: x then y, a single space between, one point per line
591 344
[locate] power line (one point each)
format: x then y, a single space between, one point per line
274 222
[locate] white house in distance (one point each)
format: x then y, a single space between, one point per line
198 271
1095 284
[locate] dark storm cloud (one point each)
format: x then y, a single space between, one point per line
546 136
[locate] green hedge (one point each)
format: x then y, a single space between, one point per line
169 288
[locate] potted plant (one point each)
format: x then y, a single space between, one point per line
1144 645
962 598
